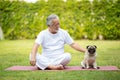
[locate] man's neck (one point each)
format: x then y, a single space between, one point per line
51 31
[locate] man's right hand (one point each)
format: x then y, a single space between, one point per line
33 62
33 54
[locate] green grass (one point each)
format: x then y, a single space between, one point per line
16 52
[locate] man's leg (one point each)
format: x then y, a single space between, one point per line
64 59
55 67
41 61
59 62
45 63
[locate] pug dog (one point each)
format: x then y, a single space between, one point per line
90 58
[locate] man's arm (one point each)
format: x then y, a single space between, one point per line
77 47
33 54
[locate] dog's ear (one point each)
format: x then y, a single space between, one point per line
95 46
87 46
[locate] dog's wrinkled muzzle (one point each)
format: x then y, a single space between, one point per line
91 51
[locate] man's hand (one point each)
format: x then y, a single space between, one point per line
33 54
33 62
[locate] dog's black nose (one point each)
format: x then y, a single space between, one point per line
91 51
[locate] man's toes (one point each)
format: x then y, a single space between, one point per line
60 67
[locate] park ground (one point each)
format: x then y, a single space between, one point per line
16 52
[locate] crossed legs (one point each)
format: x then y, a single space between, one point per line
53 64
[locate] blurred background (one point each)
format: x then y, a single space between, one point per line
83 19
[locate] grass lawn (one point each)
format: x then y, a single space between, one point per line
16 52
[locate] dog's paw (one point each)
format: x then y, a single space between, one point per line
88 67
98 67
83 67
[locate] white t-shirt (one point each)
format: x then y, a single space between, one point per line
53 44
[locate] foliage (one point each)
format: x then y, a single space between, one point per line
21 20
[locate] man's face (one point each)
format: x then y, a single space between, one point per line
55 26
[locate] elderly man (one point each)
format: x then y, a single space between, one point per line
52 41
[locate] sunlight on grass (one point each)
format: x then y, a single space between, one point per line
16 52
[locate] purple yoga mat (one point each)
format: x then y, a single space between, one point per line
67 68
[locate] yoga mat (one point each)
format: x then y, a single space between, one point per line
67 68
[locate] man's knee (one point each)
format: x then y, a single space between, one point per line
66 59
67 56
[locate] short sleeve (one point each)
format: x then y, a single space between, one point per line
39 38
68 39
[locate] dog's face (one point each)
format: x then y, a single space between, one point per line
91 49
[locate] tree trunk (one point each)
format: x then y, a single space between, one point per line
1 34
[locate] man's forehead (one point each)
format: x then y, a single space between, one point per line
55 20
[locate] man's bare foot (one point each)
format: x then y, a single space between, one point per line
57 67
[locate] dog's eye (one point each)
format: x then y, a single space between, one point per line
87 47
95 46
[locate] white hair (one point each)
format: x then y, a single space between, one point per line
50 18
